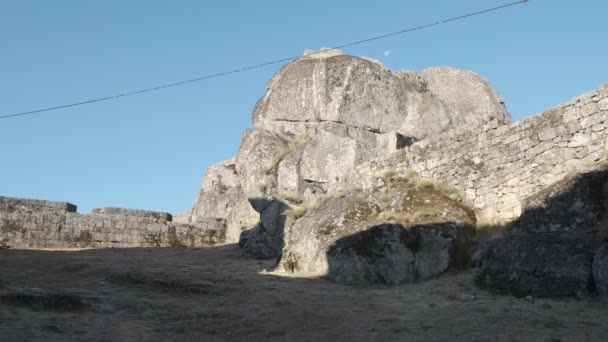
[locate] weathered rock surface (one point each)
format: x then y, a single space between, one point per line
396 233
600 270
222 198
470 97
576 204
259 154
540 265
266 239
392 254
379 254
355 92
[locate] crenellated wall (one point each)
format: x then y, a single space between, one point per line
498 167
28 223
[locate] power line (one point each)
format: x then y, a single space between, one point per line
282 60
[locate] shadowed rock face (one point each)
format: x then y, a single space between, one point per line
554 249
392 254
540 265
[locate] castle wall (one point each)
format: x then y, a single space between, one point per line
45 224
498 167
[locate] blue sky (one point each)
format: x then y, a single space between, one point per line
149 151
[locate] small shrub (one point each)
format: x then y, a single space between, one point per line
389 174
450 192
294 214
425 183
424 214
411 174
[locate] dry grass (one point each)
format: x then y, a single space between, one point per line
424 214
297 141
291 198
274 164
169 294
401 218
449 191
295 213
424 183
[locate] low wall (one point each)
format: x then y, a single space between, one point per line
498 167
28 223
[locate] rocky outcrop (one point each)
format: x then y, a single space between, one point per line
540 265
403 230
325 113
351 91
222 198
471 98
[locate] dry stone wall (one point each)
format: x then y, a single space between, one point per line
498 167
28 223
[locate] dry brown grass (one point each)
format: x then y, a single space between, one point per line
278 158
401 218
295 213
291 198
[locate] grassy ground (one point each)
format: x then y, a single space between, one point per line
215 294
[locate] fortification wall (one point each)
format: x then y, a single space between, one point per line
498 167
28 223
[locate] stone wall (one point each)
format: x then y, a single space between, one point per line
498 167
28 223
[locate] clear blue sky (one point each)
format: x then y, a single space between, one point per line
149 151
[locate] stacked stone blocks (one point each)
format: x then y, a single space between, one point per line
45 224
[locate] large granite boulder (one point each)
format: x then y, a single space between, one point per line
392 254
472 100
352 91
395 233
539 265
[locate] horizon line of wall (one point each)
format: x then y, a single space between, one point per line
30 223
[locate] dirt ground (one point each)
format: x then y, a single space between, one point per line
215 294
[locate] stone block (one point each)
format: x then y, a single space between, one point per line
579 140
547 134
